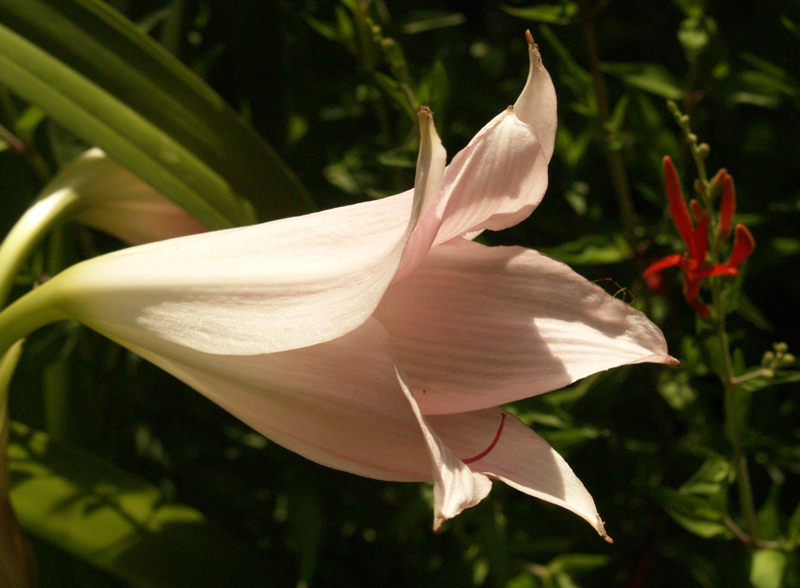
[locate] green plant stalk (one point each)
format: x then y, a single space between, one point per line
29 230
31 312
733 424
16 564
616 166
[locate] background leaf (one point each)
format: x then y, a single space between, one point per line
96 511
99 76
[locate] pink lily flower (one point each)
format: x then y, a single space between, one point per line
112 199
378 338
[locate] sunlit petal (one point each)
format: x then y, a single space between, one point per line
337 403
495 182
476 327
520 458
537 105
455 485
261 289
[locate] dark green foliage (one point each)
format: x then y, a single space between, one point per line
332 86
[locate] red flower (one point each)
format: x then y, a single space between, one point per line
693 262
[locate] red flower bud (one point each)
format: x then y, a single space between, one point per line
743 245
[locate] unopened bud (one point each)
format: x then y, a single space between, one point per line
684 119
719 178
780 348
768 358
788 359
703 150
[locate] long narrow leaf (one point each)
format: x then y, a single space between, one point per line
98 75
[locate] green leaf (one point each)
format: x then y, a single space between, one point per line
696 514
676 388
562 14
432 20
96 511
591 249
712 479
617 119
766 568
434 89
760 382
646 76
700 505
98 75
397 91
794 526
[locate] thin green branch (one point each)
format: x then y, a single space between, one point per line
16 565
733 419
616 165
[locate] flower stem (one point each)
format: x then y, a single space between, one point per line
32 311
29 230
17 569
733 420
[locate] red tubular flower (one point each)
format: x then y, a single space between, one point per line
743 245
677 205
727 207
693 262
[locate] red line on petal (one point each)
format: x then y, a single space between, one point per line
486 451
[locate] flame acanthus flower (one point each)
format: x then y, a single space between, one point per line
378 338
694 263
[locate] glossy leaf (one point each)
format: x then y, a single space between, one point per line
646 76
562 14
99 76
696 514
767 567
107 517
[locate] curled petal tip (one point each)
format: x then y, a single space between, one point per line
533 49
601 530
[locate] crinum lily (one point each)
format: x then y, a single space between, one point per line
378 338
112 199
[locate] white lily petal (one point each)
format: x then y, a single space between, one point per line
261 289
336 403
519 457
500 177
477 327
455 486
116 201
537 104
494 182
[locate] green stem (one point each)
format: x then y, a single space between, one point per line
16 564
32 311
733 420
616 165
29 230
